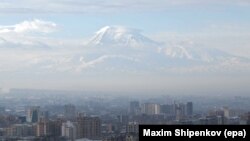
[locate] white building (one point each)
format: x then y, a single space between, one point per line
69 130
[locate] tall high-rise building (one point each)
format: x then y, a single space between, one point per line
69 111
49 128
88 127
134 108
179 110
69 130
151 109
55 128
189 108
33 114
41 128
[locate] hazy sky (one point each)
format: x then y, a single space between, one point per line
41 39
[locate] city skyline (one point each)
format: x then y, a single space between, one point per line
190 47
26 115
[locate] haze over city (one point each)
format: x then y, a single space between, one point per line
182 47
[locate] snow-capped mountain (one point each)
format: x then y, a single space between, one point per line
112 36
193 52
116 48
120 36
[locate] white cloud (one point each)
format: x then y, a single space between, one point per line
28 34
35 26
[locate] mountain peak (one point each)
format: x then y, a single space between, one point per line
120 36
116 29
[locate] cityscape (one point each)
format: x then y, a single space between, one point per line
65 116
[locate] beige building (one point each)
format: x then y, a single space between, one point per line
151 109
88 127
